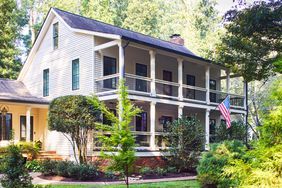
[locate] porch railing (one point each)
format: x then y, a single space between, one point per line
142 85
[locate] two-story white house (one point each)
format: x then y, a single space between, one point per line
76 55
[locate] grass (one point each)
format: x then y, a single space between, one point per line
171 184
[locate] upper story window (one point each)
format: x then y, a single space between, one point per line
55 35
45 82
110 67
75 74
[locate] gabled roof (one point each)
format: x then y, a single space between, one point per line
79 22
15 91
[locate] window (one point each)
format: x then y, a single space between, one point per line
191 81
55 35
45 82
6 126
141 70
141 122
213 87
167 76
110 67
23 128
75 74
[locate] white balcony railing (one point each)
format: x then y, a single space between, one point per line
142 86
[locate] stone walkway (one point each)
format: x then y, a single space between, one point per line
38 180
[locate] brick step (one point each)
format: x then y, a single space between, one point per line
51 155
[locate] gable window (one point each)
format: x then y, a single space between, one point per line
191 82
5 126
23 128
55 35
45 82
110 67
75 74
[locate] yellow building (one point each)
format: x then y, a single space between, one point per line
23 117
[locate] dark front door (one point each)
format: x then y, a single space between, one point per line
213 87
5 126
110 67
141 70
191 81
167 76
23 128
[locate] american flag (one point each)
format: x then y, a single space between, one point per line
224 108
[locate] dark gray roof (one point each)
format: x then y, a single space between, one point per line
80 22
15 91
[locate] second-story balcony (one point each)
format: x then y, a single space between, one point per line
155 74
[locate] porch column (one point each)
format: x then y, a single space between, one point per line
227 81
121 61
245 95
180 78
28 110
153 72
121 72
152 125
207 129
208 84
180 111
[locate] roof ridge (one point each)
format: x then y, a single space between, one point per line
118 27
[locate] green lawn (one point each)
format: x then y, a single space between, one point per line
178 184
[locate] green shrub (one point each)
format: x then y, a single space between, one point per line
34 166
237 131
49 167
171 169
15 173
146 171
186 140
110 175
210 168
29 148
160 171
62 168
83 172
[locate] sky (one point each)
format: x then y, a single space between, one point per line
224 5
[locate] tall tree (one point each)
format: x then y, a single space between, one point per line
11 22
143 16
253 41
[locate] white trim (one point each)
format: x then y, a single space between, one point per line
106 45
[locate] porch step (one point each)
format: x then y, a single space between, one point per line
48 155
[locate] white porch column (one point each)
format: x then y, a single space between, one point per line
28 111
245 95
208 84
153 72
121 61
121 71
207 129
180 78
227 81
180 111
152 125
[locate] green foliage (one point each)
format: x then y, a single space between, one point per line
252 43
12 21
29 148
75 116
237 131
210 168
186 141
121 142
34 166
146 171
69 169
15 173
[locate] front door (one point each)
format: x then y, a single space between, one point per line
141 70
23 128
167 89
5 126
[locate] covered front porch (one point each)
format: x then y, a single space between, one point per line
23 117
